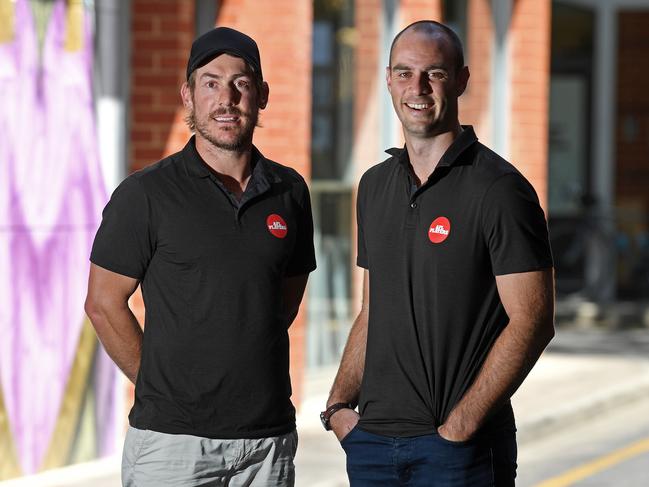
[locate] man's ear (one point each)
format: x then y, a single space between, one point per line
462 80
263 96
186 95
388 78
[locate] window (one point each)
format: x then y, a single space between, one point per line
331 187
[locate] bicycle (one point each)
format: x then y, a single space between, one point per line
596 259
582 252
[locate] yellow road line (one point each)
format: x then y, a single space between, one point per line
597 465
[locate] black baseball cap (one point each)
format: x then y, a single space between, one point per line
224 40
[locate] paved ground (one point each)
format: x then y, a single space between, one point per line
609 449
585 373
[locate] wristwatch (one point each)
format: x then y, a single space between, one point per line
326 415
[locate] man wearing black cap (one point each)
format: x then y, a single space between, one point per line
221 241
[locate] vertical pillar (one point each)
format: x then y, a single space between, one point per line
604 105
474 104
500 104
367 86
113 54
604 129
390 133
204 16
528 82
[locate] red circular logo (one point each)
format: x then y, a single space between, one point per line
276 225
439 230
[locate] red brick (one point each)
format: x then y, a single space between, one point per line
173 81
530 74
146 43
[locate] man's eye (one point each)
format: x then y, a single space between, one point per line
211 84
242 84
437 75
404 74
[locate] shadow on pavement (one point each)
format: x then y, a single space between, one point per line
627 342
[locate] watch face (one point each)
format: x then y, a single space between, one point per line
324 421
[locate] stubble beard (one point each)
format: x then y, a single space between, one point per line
436 124
426 128
241 142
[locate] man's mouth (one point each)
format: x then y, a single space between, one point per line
226 118
419 106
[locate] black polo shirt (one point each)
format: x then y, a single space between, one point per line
215 358
432 256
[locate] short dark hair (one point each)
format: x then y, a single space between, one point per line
434 27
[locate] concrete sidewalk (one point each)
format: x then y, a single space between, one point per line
583 373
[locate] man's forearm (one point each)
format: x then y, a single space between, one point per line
347 384
121 336
508 363
528 299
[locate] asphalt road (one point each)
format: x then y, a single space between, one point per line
607 450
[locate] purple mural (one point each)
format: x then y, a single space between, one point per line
51 196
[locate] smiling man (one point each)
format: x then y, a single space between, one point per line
458 291
221 241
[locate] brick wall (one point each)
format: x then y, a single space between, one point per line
162 33
529 82
285 48
412 10
474 103
161 36
367 82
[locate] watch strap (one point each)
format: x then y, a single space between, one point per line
326 415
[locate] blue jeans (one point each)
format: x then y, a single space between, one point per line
430 460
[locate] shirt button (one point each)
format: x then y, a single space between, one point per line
413 205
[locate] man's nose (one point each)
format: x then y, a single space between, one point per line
229 96
422 84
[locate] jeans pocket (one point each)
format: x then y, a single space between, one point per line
133 445
472 456
459 444
348 435
294 441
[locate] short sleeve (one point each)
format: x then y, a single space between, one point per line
514 227
303 258
361 257
123 243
